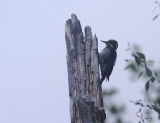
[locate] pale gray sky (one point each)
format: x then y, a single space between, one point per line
33 74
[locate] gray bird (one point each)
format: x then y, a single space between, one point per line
107 58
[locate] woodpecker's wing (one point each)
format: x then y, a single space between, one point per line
104 55
104 60
107 61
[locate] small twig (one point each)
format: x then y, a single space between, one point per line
141 104
139 114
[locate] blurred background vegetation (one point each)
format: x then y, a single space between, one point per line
149 109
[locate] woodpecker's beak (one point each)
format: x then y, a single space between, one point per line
104 41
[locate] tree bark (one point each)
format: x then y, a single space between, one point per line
86 102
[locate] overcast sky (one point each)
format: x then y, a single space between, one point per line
33 72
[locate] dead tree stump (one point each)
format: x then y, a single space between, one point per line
86 102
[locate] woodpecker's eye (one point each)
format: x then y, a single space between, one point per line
115 44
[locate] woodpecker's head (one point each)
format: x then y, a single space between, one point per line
113 44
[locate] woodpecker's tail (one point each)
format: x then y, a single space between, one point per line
102 79
107 78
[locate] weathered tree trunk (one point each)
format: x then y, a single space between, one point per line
86 102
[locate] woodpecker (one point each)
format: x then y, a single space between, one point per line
107 59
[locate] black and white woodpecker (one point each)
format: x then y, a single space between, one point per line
107 58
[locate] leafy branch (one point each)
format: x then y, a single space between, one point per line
138 63
153 107
156 7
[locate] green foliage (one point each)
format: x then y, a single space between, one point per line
141 56
140 74
148 72
157 6
132 67
138 64
147 86
111 92
115 111
140 67
152 79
